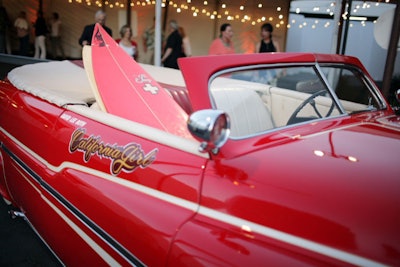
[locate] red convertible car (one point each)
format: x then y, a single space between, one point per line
281 160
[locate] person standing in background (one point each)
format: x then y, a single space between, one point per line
55 36
86 36
22 26
40 36
223 44
187 48
264 46
267 44
129 46
4 25
173 47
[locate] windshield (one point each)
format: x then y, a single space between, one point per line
352 89
262 99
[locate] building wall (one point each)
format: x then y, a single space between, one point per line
200 29
360 42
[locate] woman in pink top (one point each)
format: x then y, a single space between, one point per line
223 44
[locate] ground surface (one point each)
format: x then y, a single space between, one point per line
19 245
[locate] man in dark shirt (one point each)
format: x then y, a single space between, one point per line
173 48
86 37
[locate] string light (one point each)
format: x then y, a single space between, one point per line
357 10
204 9
226 13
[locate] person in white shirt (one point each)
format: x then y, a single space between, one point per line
126 41
55 36
22 26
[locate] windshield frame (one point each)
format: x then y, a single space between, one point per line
318 69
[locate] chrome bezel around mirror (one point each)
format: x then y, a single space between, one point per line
397 95
396 106
211 127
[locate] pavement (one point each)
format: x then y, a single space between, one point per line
19 245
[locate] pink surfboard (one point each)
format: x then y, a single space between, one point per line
123 88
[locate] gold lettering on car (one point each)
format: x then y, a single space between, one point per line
123 158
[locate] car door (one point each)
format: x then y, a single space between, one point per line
244 214
96 194
131 191
26 123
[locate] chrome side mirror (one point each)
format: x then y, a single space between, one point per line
211 127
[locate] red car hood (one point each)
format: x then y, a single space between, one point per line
359 146
346 182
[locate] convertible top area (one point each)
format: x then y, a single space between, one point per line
65 82
59 82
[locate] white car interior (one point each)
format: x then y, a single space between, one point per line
253 106
65 84
256 104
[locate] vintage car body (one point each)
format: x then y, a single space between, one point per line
291 191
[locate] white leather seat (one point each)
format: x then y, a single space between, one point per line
246 110
59 82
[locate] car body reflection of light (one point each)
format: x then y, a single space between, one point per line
320 153
332 153
246 228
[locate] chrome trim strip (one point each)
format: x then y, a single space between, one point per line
99 250
289 239
76 212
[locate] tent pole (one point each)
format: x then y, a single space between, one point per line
392 53
158 34
128 12
346 28
339 20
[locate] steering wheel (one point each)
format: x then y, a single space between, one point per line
310 100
